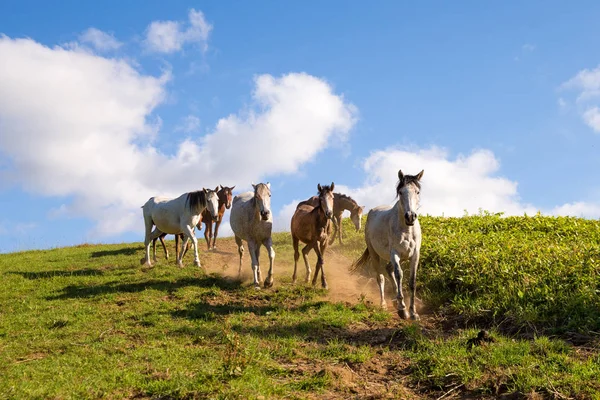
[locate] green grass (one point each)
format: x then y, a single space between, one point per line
89 322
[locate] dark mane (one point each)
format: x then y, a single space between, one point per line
406 180
196 200
345 196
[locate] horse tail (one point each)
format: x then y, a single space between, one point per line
361 262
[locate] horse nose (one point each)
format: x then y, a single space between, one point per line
410 217
328 214
265 214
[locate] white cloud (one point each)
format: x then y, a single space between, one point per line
528 47
76 124
591 116
578 209
587 84
170 36
100 40
451 187
281 223
190 123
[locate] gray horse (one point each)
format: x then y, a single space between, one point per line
393 236
252 221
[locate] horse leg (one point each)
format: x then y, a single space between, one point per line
305 251
240 246
412 283
151 237
258 271
340 232
255 273
154 249
184 242
187 245
295 241
269 245
189 232
217 224
176 247
381 283
319 266
208 232
323 247
162 241
148 224
335 229
395 260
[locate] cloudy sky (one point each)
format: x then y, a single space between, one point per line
104 104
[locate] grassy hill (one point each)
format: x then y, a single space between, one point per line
90 322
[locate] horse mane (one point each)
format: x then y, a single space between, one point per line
196 200
407 179
345 196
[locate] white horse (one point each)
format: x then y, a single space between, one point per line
180 215
393 236
252 221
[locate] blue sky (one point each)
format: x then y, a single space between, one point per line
497 101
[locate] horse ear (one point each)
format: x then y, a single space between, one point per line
269 185
253 186
204 190
420 175
319 188
217 188
231 188
332 186
400 174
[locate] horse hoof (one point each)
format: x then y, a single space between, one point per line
403 314
269 284
180 265
197 264
415 317
257 286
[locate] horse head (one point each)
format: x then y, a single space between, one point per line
326 199
225 196
262 198
212 202
408 190
356 216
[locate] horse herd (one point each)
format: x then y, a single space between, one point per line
392 233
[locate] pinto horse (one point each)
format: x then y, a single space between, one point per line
312 225
177 216
393 236
225 196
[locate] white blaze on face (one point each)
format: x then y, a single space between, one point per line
213 203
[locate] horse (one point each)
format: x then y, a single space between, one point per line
225 197
251 220
312 225
341 203
393 236
175 216
224 194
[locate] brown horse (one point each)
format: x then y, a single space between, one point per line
225 196
341 203
312 225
